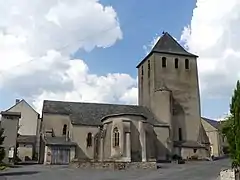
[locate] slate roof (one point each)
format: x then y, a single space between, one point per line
26 139
61 141
213 123
6 113
167 44
91 113
188 144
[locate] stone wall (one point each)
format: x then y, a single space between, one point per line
229 174
114 165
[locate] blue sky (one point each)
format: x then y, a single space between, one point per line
140 22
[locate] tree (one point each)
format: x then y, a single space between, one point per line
2 150
231 127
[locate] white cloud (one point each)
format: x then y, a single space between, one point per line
214 35
50 32
148 48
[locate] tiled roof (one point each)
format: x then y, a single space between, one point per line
188 144
212 122
92 113
6 113
26 139
168 45
58 141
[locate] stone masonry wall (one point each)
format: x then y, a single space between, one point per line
229 174
114 165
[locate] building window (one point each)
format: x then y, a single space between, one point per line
142 70
164 62
148 68
115 137
176 63
186 63
89 139
64 131
194 150
180 134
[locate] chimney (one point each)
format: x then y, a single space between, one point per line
17 101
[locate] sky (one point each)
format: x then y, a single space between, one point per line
87 50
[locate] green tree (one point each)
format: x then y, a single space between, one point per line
2 150
231 127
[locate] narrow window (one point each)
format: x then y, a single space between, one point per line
186 64
223 138
194 150
180 134
64 131
115 137
142 70
176 63
164 62
89 139
148 68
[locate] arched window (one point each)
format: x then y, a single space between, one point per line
64 131
164 62
89 139
115 137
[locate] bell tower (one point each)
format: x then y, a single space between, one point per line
168 85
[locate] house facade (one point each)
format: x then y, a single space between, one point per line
216 139
9 122
28 137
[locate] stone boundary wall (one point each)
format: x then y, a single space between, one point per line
114 165
230 174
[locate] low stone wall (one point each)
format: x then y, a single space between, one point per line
229 174
115 165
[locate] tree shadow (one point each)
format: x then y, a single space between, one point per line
22 173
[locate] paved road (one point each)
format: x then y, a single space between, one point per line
189 171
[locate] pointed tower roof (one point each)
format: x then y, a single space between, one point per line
168 45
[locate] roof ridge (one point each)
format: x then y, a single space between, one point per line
209 119
169 39
98 103
166 44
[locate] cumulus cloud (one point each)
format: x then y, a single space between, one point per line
147 48
37 41
213 34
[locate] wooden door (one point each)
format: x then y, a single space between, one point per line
60 155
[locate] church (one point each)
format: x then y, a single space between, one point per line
166 121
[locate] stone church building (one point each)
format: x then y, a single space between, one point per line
166 121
